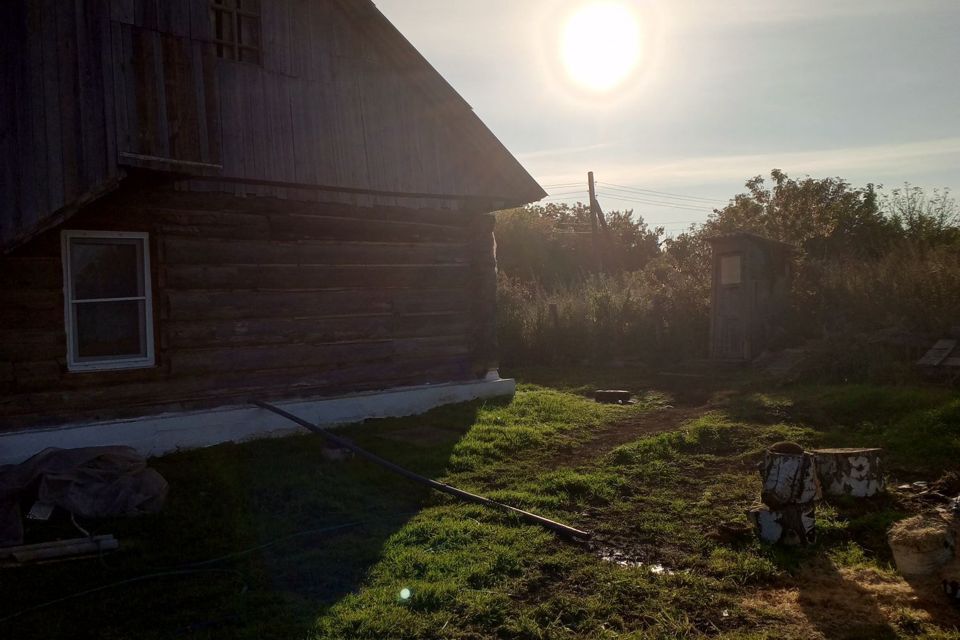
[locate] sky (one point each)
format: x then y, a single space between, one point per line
867 90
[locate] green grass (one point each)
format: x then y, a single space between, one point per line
473 573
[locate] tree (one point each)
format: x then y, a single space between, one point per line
553 244
924 220
822 216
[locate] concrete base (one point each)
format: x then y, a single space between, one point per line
165 433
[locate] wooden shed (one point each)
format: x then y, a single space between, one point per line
203 201
750 295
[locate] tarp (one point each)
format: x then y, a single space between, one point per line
92 482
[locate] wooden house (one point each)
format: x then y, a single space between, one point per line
204 201
750 294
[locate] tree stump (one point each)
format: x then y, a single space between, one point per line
792 524
921 544
849 472
788 479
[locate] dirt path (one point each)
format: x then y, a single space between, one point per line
624 431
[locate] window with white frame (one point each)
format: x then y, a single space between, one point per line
108 304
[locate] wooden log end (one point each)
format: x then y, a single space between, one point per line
790 525
850 471
611 396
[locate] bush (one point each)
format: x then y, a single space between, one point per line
876 278
647 316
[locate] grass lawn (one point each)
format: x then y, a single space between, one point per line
269 540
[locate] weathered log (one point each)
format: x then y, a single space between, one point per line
849 472
611 396
792 524
59 549
788 479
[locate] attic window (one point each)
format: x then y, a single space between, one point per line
236 29
107 299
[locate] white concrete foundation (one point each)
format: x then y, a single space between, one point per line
165 433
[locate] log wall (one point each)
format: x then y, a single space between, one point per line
256 296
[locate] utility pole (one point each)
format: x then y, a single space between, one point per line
596 213
595 237
600 240
593 198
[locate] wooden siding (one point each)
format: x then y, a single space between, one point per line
57 133
343 101
258 297
165 88
342 108
746 316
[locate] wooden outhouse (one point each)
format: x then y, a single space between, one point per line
750 295
204 201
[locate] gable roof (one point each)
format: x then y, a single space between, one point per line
515 183
356 108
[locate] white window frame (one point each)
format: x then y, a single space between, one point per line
109 363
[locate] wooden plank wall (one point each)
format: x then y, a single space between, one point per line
340 101
56 127
257 297
331 106
165 86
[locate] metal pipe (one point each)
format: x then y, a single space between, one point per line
557 527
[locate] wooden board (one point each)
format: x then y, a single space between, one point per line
938 353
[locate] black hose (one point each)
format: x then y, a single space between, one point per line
557 527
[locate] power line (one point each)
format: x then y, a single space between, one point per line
558 186
568 193
659 199
676 196
656 203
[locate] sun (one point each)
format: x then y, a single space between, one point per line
601 45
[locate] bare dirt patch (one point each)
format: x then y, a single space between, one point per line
826 601
627 430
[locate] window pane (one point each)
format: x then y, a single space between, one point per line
730 270
223 26
105 268
106 329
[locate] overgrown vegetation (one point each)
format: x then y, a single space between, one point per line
653 481
876 276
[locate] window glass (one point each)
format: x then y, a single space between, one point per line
108 302
107 329
236 29
105 269
730 269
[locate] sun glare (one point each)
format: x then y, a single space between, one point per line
600 45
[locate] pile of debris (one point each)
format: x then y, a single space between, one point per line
926 544
93 482
942 361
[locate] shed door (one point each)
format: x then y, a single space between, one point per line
731 338
167 107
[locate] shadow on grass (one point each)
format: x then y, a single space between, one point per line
256 540
840 608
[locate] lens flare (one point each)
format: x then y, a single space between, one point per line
601 45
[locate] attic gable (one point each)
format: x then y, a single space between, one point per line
337 100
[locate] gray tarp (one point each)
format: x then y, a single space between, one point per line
92 482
